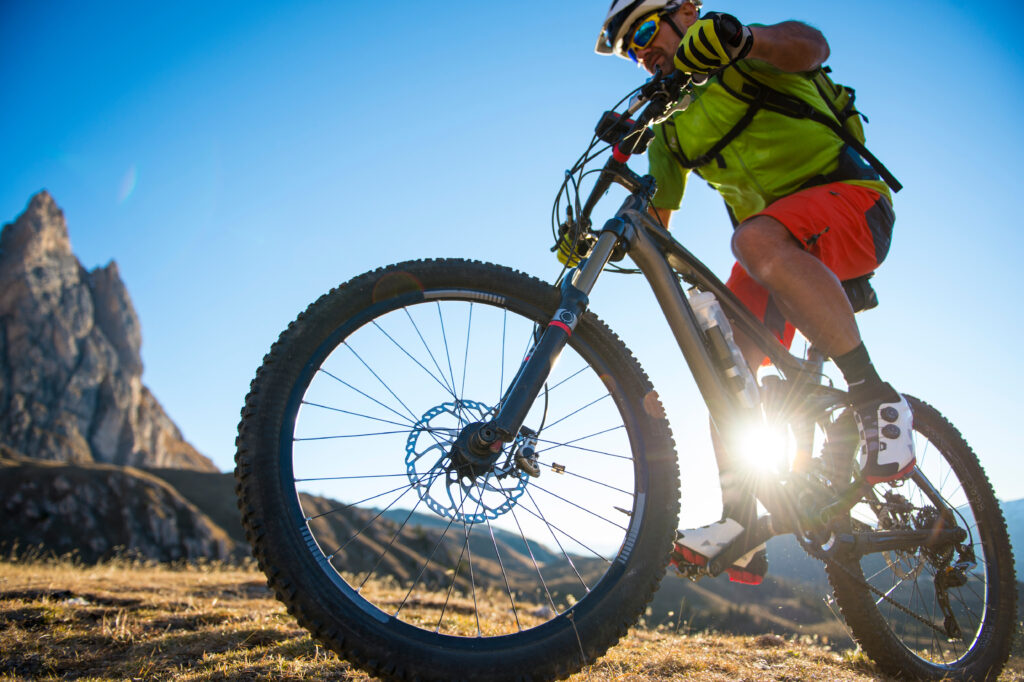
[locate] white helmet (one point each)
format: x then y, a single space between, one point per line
621 17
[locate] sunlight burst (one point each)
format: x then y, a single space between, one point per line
763 446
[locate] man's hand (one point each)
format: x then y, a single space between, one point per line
712 43
567 255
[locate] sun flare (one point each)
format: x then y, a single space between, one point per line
763 446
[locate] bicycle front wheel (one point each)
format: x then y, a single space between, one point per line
400 554
939 612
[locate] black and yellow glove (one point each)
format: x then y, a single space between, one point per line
712 43
571 250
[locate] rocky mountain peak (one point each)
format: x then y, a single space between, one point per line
41 230
70 368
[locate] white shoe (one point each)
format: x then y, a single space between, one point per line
886 440
698 546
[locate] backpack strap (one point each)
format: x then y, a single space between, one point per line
772 100
715 151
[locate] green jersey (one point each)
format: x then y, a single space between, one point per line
772 157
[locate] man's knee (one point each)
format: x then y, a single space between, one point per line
759 242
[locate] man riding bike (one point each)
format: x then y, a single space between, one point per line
809 212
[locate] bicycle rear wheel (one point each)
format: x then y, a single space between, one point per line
944 612
407 559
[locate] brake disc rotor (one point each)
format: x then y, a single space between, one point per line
444 484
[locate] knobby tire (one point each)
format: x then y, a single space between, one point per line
320 552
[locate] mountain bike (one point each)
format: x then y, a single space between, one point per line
452 470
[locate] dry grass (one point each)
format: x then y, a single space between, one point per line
128 620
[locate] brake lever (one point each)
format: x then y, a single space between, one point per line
646 92
668 88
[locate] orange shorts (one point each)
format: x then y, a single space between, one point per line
847 227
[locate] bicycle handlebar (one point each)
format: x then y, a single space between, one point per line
631 136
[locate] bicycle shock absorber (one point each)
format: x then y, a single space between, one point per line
534 372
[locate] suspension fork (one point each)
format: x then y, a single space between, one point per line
533 373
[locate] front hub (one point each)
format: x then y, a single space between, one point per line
472 455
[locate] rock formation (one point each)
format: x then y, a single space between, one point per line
70 371
99 511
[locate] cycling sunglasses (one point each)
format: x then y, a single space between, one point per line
643 35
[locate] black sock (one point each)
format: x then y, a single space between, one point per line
861 376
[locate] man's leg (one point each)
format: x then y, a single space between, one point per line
793 256
806 291
842 226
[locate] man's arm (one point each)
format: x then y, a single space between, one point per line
717 39
790 46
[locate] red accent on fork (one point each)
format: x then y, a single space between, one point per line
561 325
619 156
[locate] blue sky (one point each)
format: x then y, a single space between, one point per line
238 159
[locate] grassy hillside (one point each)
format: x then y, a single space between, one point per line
790 603
120 621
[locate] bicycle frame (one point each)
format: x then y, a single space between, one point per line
664 262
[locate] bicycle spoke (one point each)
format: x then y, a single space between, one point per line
472 573
569 444
387 388
590 404
371 522
569 536
450 389
423 568
429 373
557 541
455 576
391 543
382 382
465 357
389 409
354 414
447 354
577 506
536 566
349 435
589 480
349 478
504 575
501 365
568 378
354 504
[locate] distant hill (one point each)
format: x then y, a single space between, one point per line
1014 513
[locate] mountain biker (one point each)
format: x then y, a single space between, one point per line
808 210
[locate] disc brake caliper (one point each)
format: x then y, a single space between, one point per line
526 451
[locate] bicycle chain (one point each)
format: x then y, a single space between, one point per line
823 556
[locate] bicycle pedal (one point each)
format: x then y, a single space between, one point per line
687 564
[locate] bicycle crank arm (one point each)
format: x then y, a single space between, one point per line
862 544
535 370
